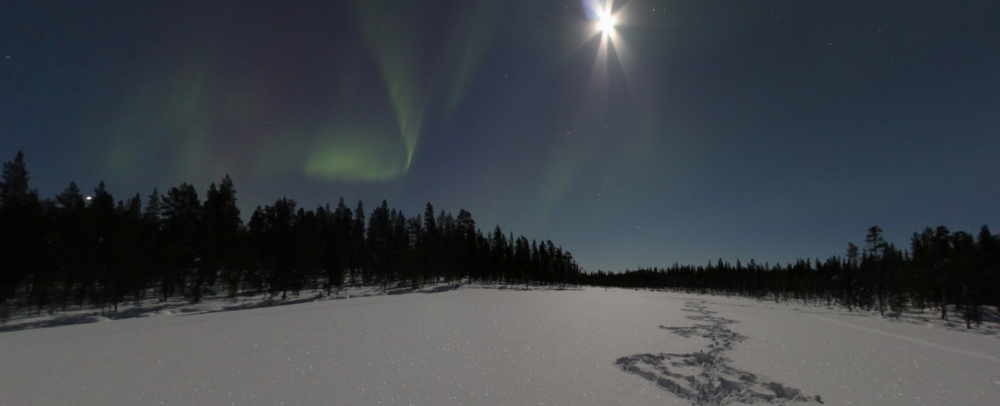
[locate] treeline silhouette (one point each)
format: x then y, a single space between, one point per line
941 269
75 251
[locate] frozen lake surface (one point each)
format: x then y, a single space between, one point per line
489 346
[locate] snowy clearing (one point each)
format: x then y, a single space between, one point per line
489 346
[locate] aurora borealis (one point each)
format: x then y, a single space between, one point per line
690 131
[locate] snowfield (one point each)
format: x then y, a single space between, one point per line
490 346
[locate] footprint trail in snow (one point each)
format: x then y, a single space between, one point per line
706 377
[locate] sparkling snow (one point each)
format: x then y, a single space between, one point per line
488 346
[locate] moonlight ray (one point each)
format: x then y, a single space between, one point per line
606 19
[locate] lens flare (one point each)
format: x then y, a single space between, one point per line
606 24
605 33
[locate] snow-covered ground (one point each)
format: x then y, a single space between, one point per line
489 346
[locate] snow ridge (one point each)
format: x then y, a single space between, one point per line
705 378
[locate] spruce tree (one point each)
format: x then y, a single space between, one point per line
942 266
70 242
342 244
101 243
127 275
153 243
278 237
964 261
358 248
255 253
417 239
378 244
221 226
430 243
872 262
182 212
20 234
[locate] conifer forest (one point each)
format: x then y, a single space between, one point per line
91 250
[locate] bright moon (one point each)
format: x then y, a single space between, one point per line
606 24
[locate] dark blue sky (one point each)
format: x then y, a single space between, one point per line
733 129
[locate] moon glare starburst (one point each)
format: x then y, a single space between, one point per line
608 20
606 24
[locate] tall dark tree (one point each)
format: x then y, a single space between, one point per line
942 266
305 249
181 210
466 227
70 241
126 276
255 256
359 251
278 237
872 264
221 230
403 255
429 243
101 243
340 239
988 269
379 232
964 254
498 248
20 231
416 237
153 242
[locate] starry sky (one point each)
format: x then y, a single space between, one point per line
684 131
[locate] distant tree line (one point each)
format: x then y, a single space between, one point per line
941 269
73 251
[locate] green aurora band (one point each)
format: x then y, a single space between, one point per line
366 154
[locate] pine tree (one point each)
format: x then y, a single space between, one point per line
20 234
430 243
872 262
14 190
417 241
964 254
402 246
221 227
989 247
942 266
536 263
342 245
127 275
358 248
498 248
182 211
153 242
278 237
377 242
919 268
101 226
46 274
850 275
305 249
70 242
255 252
467 252
522 253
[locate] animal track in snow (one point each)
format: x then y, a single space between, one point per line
706 378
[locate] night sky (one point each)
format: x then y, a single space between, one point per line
685 131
